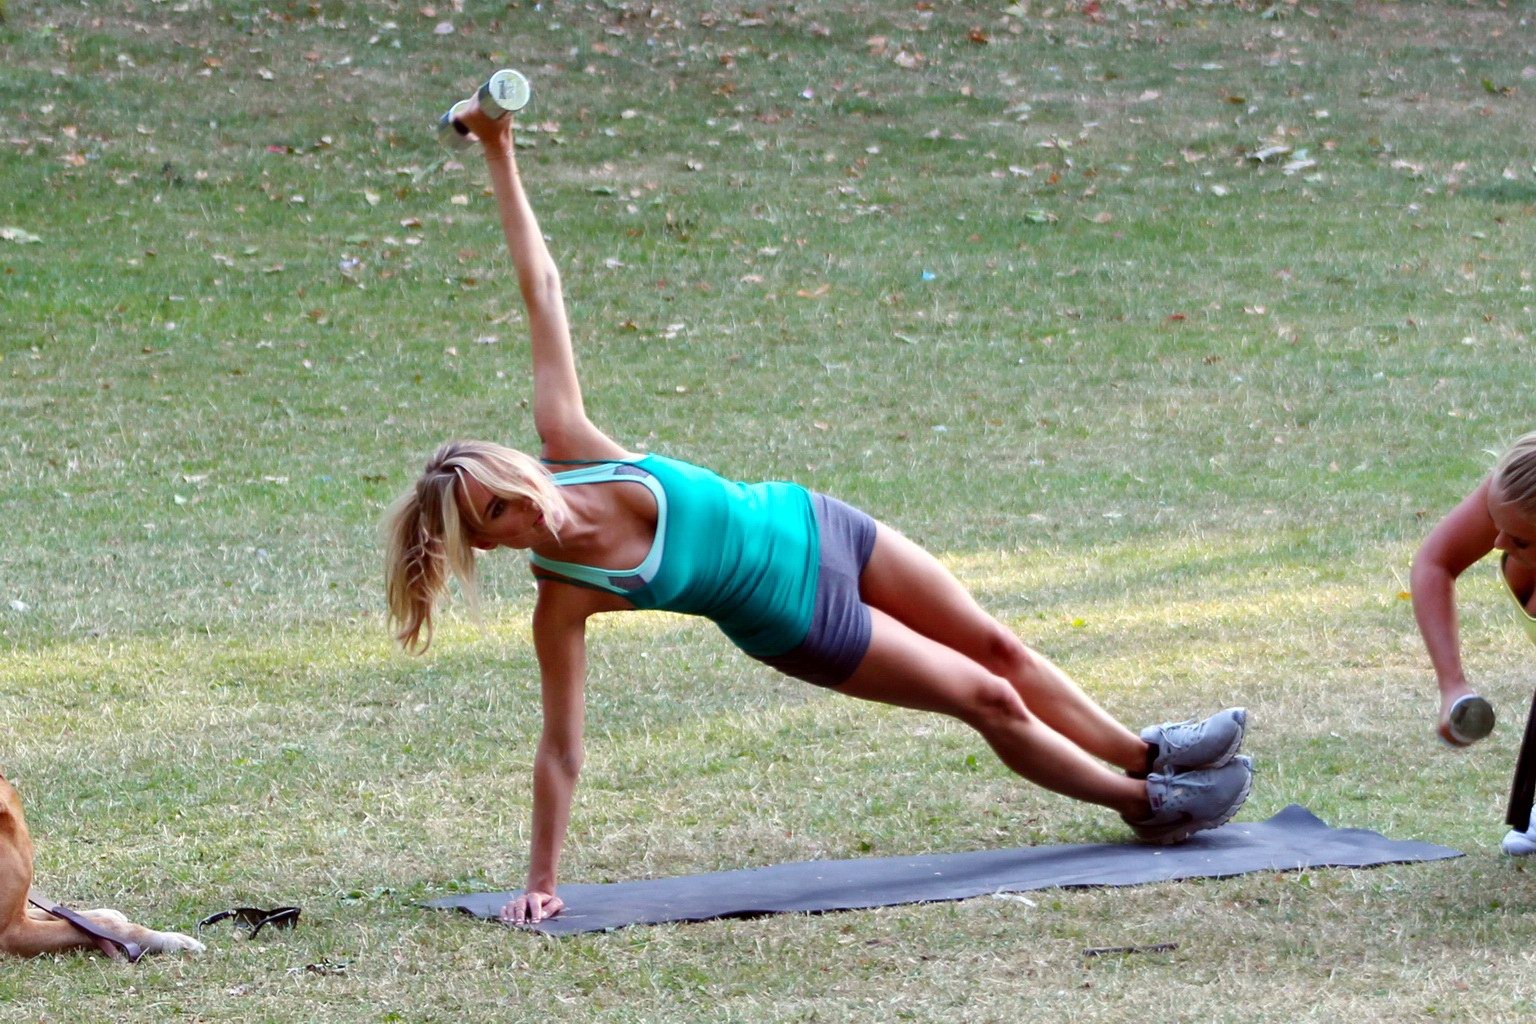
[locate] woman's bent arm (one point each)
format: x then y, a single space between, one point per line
1465 535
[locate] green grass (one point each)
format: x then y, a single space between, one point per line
1006 276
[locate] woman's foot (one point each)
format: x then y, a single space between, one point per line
1189 802
1183 746
1519 844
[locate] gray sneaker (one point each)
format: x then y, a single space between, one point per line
1182 746
1189 802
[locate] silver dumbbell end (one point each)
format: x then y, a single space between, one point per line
504 92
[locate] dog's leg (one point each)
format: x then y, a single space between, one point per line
32 936
148 939
40 932
27 931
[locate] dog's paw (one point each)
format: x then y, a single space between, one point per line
172 942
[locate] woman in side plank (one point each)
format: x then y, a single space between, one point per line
811 586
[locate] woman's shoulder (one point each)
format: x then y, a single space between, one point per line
563 602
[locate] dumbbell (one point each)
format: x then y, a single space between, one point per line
503 93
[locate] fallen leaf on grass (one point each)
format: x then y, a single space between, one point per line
1298 162
1268 153
814 293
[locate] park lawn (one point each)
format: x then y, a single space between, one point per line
1013 278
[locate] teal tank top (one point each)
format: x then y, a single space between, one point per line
744 555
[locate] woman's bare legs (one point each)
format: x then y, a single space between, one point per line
907 669
914 588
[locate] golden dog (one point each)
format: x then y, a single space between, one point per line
29 931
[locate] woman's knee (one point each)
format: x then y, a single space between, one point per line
991 701
1004 654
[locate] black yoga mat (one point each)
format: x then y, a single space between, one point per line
1291 840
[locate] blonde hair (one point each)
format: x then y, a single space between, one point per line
428 529
1515 475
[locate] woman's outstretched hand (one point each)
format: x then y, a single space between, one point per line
493 132
531 908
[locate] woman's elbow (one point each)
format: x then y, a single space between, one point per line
1430 575
541 286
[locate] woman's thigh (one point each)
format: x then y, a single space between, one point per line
909 669
908 583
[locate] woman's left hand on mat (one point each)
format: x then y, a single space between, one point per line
531 907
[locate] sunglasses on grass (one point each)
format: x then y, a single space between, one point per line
253 919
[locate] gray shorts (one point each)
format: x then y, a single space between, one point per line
840 621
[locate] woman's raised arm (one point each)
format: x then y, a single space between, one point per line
559 415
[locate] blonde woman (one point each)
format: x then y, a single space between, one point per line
1499 515
802 582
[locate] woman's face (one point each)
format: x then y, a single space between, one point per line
1517 534
504 523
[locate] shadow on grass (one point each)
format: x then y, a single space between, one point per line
1520 192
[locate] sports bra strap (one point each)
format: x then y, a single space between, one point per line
614 581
